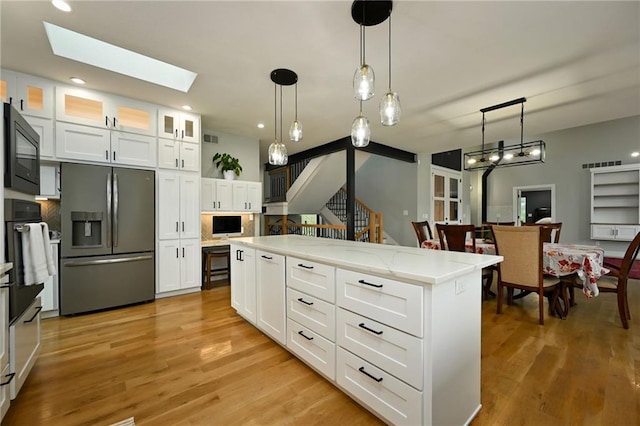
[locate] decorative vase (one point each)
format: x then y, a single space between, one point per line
229 174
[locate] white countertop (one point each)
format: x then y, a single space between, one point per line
5 267
213 243
422 266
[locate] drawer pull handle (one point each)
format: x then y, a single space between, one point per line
301 300
266 257
10 376
361 325
372 285
361 369
305 266
306 337
38 309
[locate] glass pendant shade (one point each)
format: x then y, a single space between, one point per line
278 154
364 81
295 132
360 132
390 109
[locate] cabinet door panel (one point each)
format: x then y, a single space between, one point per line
169 265
224 194
189 157
133 150
82 107
168 154
134 116
239 196
44 129
76 142
189 128
270 280
208 201
190 263
254 196
35 96
190 225
168 206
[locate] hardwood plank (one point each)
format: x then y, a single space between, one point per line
191 360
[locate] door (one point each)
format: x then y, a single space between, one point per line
133 210
446 195
168 206
526 199
85 221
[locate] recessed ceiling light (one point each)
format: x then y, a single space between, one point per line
62 5
635 154
77 80
260 125
187 107
82 48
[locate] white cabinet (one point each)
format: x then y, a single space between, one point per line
49 294
179 126
216 195
178 205
615 202
243 281
177 155
49 181
270 283
85 143
247 196
44 128
178 264
5 377
446 195
96 109
24 344
30 95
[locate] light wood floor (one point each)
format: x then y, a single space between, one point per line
190 360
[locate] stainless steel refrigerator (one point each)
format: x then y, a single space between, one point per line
108 237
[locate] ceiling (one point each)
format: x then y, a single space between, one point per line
576 62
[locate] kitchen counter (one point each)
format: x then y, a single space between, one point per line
214 243
415 265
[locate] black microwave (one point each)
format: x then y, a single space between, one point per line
22 153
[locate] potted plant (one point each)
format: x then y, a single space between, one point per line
230 166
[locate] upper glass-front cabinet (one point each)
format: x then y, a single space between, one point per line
95 109
178 125
30 95
446 198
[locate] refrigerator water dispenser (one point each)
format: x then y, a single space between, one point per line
86 229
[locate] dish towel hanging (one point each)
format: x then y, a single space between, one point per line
51 265
33 255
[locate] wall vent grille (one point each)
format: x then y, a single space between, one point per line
210 138
602 164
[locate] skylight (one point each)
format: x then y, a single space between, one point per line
81 48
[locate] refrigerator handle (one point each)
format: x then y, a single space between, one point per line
109 209
115 210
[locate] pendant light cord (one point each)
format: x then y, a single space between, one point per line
296 101
389 53
483 122
521 126
275 112
281 114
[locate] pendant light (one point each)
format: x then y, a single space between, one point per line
295 132
364 78
277 151
390 103
360 130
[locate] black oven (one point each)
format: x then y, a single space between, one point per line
16 214
22 153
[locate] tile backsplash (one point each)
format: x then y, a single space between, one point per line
206 233
50 210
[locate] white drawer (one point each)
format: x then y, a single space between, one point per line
395 352
394 303
24 346
313 313
312 278
394 400
312 348
5 400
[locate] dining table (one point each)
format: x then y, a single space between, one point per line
585 262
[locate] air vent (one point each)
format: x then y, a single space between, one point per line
210 138
601 164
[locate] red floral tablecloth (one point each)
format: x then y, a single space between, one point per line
584 261
559 260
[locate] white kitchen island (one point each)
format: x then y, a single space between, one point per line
396 328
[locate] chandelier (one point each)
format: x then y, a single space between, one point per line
277 150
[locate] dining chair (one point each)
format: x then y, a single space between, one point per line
454 238
423 231
616 280
486 229
521 248
550 231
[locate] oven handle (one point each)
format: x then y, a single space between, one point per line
38 309
106 261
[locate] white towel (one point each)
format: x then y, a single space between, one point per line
51 265
33 256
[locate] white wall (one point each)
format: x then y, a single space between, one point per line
246 150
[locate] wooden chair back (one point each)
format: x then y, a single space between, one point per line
423 231
454 237
485 229
550 231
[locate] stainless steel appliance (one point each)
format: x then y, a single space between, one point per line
16 214
108 237
22 153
